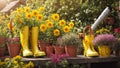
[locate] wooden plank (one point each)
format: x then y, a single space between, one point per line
80 59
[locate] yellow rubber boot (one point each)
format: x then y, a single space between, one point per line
24 34
34 43
89 50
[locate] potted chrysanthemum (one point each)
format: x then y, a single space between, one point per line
104 42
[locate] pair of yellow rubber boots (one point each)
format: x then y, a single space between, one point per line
24 39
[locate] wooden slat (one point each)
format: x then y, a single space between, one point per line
80 59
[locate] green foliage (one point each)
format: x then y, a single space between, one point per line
82 12
70 39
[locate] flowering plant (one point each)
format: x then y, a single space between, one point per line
3 21
27 16
58 61
102 31
14 40
117 32
104 39
15 62
53 28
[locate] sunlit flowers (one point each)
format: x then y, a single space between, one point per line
49 24
55 16
41 8
62 23
15 62
29 15
27 9
40 17
43 27
71 24
35 12
66 29
56 32
102 31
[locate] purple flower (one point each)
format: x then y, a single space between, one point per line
16 39
104 39
9 39
57 58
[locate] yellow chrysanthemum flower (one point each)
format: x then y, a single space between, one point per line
19 9
40 17
102 30
35 12
43 27
49 24
62 22
15 62
29 15
20 20
27 9
41 8
31 64
66 29
56 32
13 29
17 57
7 59
8 25
2 63
55 16
71 24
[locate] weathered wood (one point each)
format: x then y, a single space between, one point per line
80 59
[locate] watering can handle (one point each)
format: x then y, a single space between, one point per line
87 27
82 35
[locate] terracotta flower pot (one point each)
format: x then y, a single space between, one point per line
49 50
2 51
71 51
14 49
42 45
59 50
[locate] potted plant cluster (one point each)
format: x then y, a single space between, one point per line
70 41
104 42
53 28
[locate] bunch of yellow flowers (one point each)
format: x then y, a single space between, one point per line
27 16
53 28
15 62
102 31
